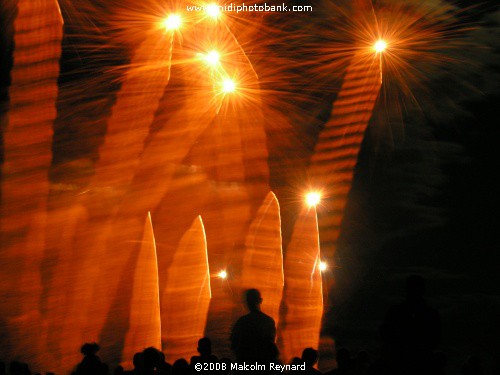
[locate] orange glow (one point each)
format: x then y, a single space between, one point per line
313 198
212 58
222 274
213 10
323 266
228 86
380 46
172 22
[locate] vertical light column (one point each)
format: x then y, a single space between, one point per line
336 153
27 154
164 151
263 260
136 103
303 293
118 199
240 173
186 296
145 321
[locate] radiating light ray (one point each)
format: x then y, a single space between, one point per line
323 266
222 274
313 199
213 11
380 46
212 58
172 22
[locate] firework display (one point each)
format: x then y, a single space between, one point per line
146 160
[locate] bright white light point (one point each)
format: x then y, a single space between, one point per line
312 199
228 85
323 266
172 22
212 58
222 274
213 10
380 45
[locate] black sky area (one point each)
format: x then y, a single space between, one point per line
424 198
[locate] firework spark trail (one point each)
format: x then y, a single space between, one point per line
127 129
164 151
145 319
27 147
410 39
336 152
263 260
241 173
187 294
133 112
303 300
335 157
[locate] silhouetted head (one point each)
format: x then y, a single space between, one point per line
296 361
180 367
204 346
89 348
343 358
137 361
415 287
151 358
310 356
16 368
253 299
118 371
19 368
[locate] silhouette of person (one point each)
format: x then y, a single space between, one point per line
151 361
180 367
411 331
19 368
310 357
205 350
138 364
253 335
165 368
91 364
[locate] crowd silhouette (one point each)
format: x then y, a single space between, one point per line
410 335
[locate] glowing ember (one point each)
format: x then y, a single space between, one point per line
323 266
312 199
228 85
213 10
380 46
172 22
212 58
222 274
